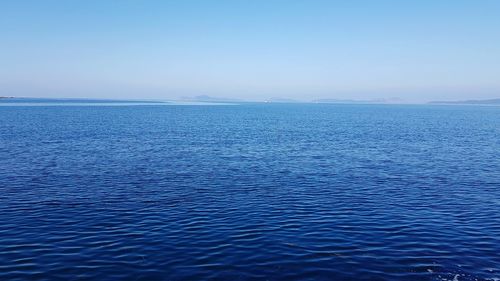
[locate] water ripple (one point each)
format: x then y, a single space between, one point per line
250 192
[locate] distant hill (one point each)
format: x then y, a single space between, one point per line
479 102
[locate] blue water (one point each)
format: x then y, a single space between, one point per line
249 192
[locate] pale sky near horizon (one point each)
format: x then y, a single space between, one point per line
254 50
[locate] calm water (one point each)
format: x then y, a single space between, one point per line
249 192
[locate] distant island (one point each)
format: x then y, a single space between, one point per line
476 102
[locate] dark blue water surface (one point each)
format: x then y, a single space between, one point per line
249 192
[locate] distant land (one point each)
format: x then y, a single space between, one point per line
478 102
223 100
205 98
29 99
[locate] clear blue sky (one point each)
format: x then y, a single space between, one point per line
256 49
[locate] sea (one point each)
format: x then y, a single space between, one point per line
105 190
